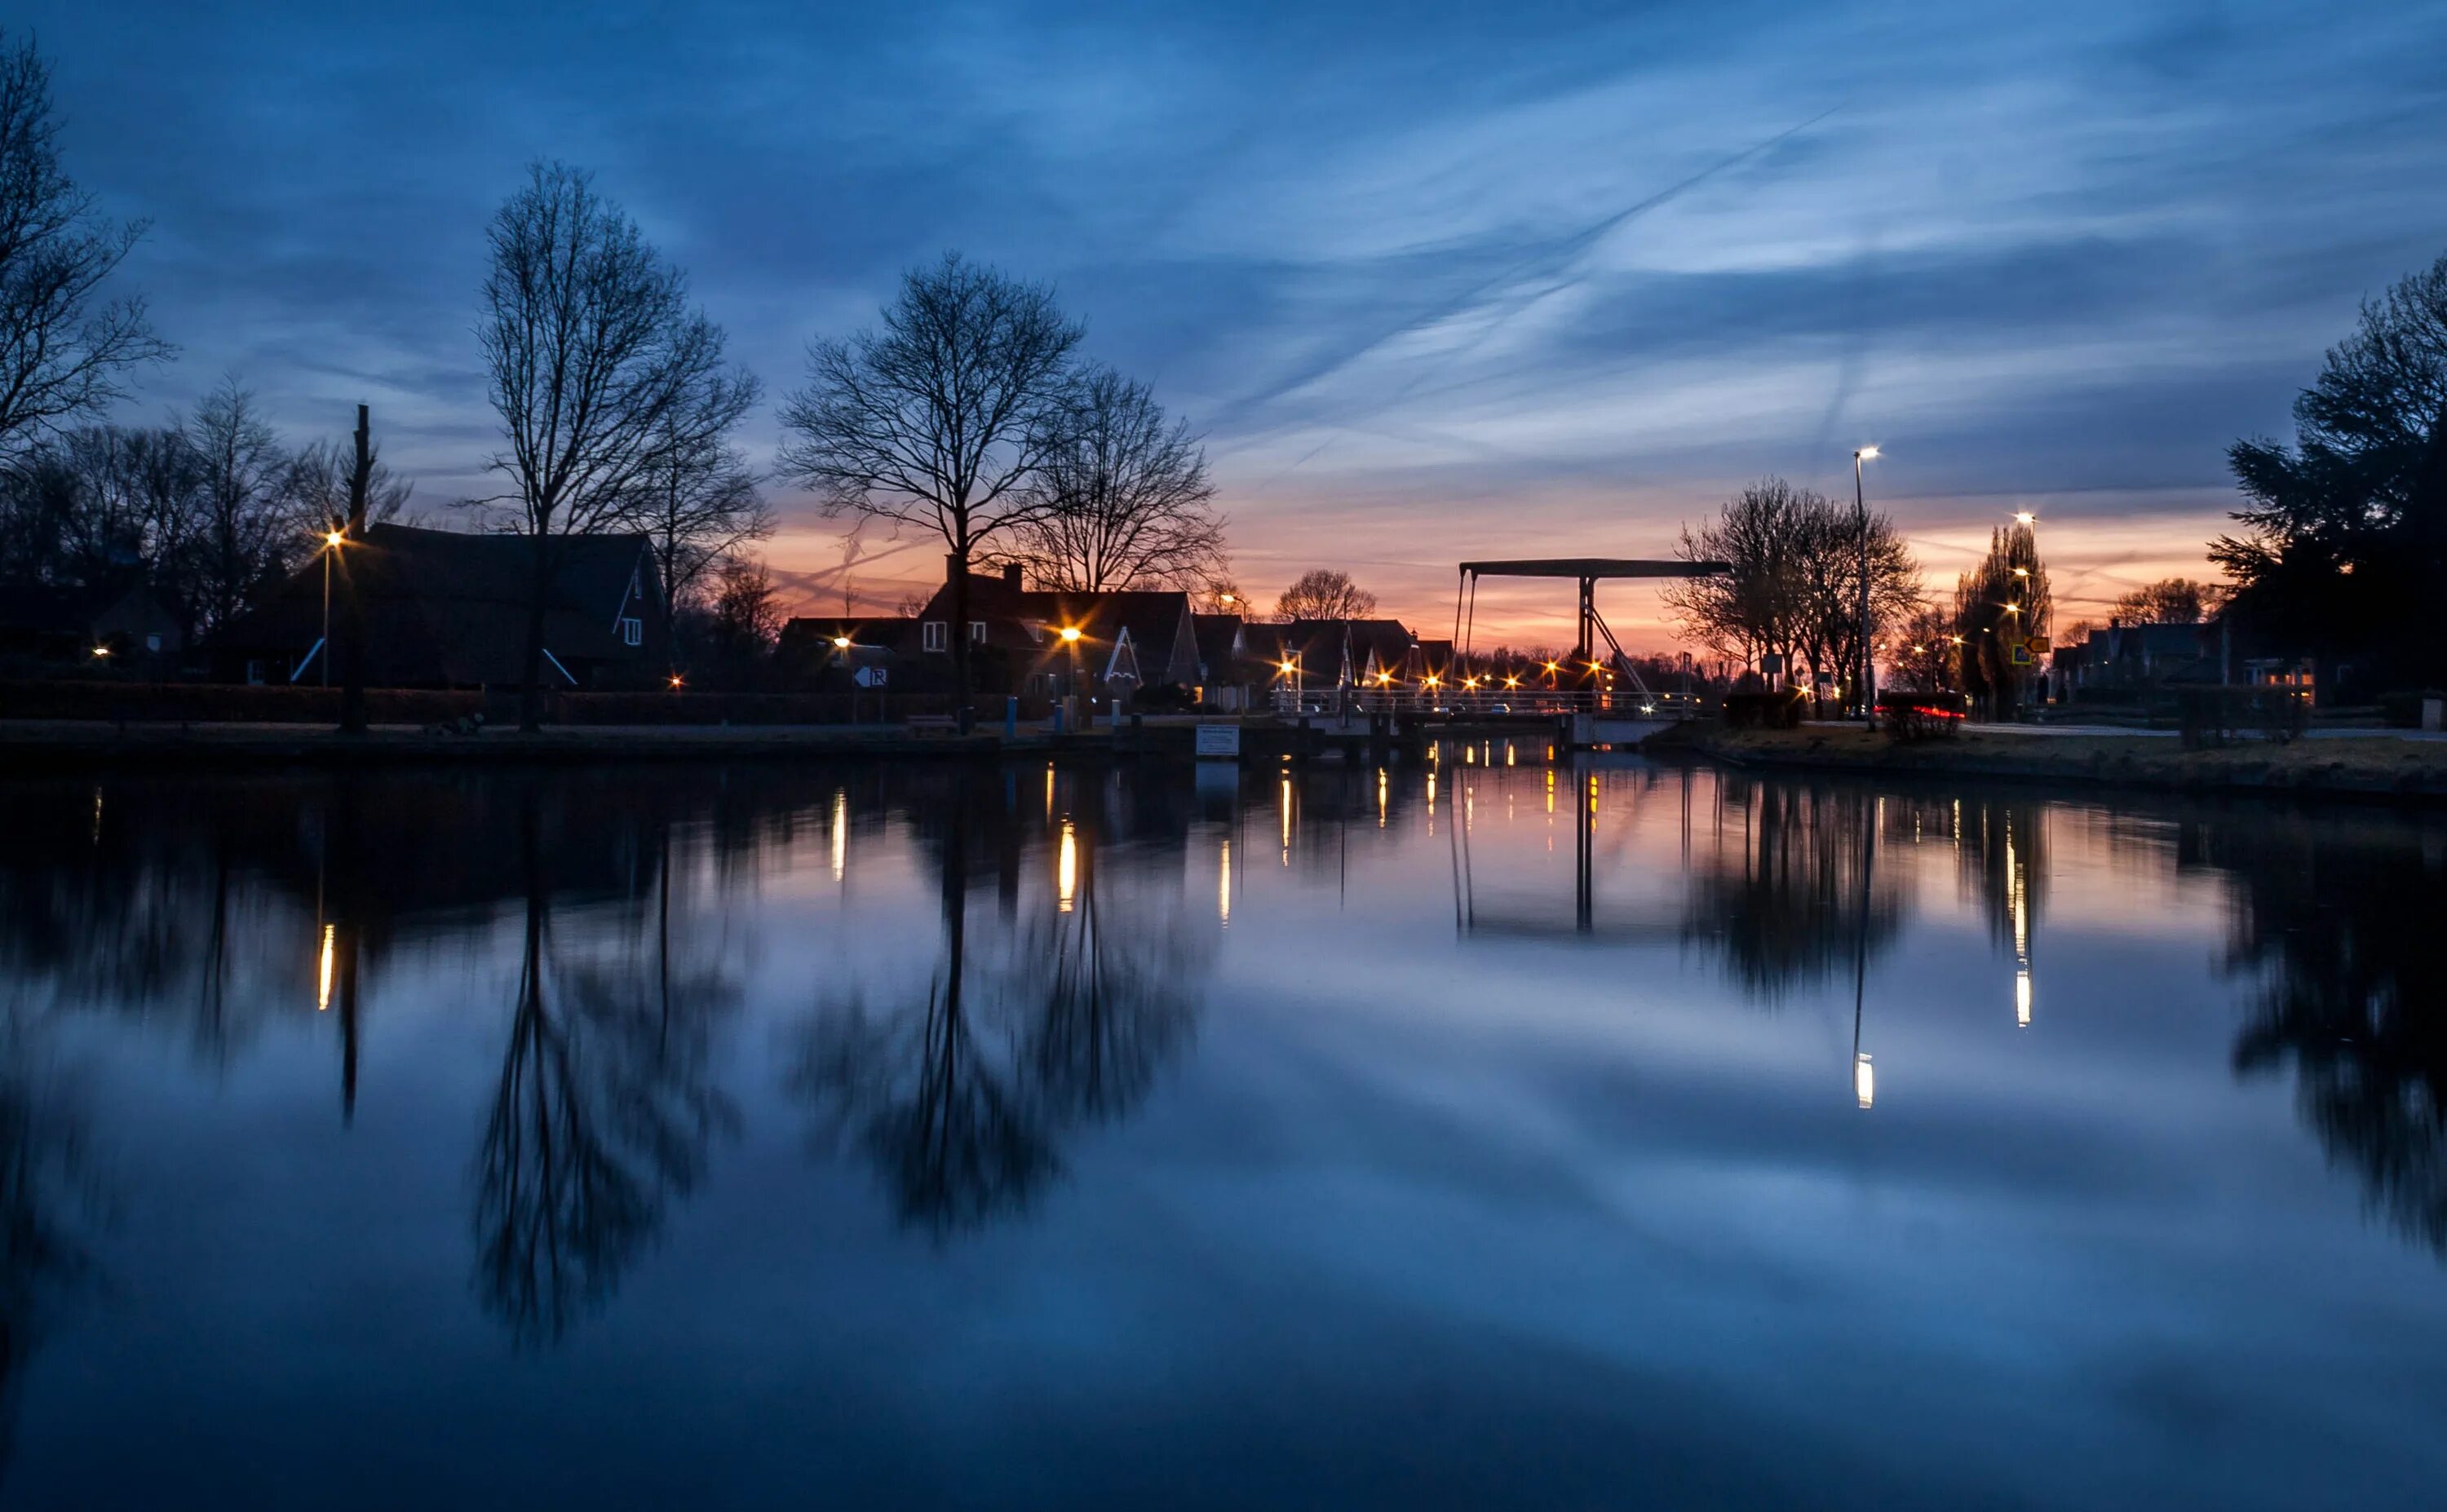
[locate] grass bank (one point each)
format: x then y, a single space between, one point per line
2373 767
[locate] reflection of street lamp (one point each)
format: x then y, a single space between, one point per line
1865 1079
2022 997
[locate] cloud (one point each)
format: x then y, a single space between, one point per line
1445 280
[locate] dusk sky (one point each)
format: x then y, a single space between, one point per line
1435 282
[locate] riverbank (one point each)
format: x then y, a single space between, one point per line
2375 767
49 744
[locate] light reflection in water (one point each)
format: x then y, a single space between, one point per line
1066 875
323 972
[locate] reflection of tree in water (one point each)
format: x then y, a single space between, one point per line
1778 892
961 1101
605 1108
45 1189
2339 919
2001 847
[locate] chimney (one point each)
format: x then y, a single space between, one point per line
951 568
1011 576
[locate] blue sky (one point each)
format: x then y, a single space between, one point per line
1473 281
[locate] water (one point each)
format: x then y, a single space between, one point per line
1548 1137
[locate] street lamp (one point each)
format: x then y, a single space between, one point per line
1861 507
841 643
332 540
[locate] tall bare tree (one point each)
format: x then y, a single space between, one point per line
942 418
697 498
1129 495
64 350
594 357
249 530
1322 593
1794 588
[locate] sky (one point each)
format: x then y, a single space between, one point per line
1535 278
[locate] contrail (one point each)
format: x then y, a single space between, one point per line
1557 256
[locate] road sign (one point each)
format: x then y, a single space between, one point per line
2018 653
869 677
2039 645
1221 741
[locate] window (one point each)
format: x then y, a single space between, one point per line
153 641
254 674
977 630
632 629
935 637
1036 630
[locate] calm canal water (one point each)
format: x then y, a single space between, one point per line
1489 1134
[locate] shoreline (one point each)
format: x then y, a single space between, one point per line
2370 770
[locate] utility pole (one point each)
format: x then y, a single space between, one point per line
352 607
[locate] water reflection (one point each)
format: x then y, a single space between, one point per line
581 1001
1037 1016
603 1111
2335 921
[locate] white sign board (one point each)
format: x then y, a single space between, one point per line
868 676
1219 740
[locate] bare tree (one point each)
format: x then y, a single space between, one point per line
63 352
1128 498
323 476
697 498
249 530
2170 602
594 357
1794 587
942 418
1321 592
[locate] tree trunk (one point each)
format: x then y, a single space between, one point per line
531 683
960 631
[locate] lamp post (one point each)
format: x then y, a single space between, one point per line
1861 508
1070 638
331 548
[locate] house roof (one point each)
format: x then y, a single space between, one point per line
1219 641
452 606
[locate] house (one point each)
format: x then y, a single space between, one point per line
1050 643
839 653
121 624
450 608
2126 656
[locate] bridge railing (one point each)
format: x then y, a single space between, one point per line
1497 702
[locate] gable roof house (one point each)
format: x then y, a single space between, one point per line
1127 641
450 608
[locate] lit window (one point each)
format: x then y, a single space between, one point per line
936 639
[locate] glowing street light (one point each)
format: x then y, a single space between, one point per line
332 541
2023 517
841 643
